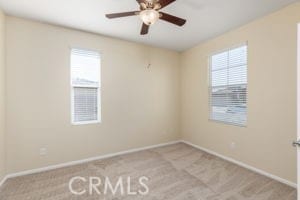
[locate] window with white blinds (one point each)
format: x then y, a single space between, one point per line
228 86
85 86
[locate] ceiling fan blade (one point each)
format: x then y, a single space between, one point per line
145 29
164 3
124 14
172 19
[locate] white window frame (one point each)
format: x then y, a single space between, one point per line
81 86
210 86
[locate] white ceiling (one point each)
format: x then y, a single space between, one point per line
205 18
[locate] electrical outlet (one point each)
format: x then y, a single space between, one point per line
43 151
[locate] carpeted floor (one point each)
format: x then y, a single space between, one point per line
175 172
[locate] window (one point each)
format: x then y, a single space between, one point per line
228 86
85 86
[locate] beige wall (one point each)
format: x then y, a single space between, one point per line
139 105
2 96
266 142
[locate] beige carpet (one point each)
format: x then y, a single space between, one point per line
175 172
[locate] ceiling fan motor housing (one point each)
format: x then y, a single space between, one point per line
150 4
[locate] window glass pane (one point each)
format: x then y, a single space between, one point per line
219 61
219 96
219 77
85 68
237 75
238 56
85 104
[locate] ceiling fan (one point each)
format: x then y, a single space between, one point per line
149 13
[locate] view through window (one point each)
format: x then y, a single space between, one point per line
228 86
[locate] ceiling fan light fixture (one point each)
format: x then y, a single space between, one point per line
149 16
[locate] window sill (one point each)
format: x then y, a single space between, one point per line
86 122
228 123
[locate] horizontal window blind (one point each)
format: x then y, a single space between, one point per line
228 86
85 104
85 83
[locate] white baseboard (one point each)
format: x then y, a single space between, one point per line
67 164
3 180
259 171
